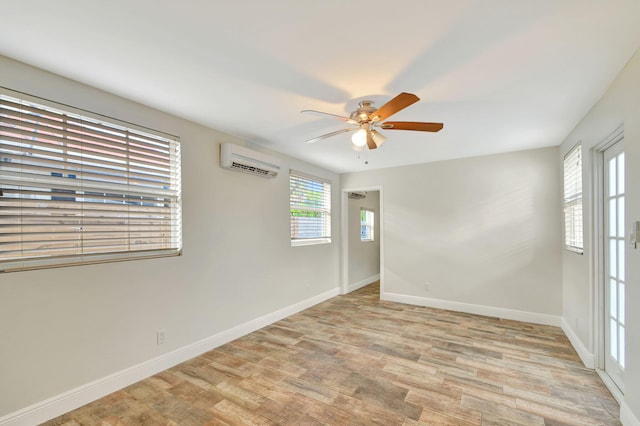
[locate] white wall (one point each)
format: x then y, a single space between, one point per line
480 234
63 328
619 105
483 231
364 257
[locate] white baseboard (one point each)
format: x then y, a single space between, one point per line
587 357
360 284
627 418
610 384
75 398
488 311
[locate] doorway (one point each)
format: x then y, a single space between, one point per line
362 238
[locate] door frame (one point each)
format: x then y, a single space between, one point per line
597 258
344 263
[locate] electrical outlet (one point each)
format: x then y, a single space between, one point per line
161 337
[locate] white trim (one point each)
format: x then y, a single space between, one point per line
362 283
627 418
611 386
596 260
310 242
488 311
587 357
344 234
75 398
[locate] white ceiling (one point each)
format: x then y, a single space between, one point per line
502 75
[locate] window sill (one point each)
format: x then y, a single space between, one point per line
310 242
92 259
574 250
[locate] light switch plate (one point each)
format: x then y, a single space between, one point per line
634 237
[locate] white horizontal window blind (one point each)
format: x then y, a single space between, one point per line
77 189
310 208
573 236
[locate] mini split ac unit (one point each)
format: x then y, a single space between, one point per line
357 195
245 160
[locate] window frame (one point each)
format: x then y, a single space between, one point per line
572 200
368 224
80 179
296 179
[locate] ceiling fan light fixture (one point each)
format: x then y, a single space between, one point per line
378 138
359 139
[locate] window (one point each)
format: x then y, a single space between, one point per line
310 208
366 225
78 189
573 236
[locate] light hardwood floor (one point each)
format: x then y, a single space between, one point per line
355 360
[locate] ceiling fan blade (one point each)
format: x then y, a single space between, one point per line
325 114
328 135
412 125
396 104
370 142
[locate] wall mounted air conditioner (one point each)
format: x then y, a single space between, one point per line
245 160
357 195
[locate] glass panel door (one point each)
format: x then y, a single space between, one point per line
614 187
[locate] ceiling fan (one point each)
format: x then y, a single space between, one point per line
367 118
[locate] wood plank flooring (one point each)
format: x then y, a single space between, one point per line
355 360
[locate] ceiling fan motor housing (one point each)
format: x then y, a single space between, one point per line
361 115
